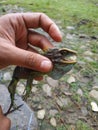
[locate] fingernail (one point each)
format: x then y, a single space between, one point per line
45 64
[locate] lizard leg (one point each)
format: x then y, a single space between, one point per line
28 87
12 89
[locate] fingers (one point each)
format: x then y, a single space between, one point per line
32 60
39 40
36 20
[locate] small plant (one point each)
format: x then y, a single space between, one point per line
82 126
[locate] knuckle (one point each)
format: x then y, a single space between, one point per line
29 60
32 60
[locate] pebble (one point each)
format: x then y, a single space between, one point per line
69 36
53 122
34 89
84 111
53 112
70 27
88 53
52 82
89 59
47 90
63 102
35 82
80 92
95 81
94 94
20 89
41 114
83 36
95 87
83 47
71 79
7 76
94 106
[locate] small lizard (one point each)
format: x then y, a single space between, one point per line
63 60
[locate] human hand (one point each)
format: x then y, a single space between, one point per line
5 123
16 33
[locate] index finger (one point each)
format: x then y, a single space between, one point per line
36 20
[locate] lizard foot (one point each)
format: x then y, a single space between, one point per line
14 109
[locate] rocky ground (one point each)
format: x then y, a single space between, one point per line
71 102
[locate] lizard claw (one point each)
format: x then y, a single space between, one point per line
10 111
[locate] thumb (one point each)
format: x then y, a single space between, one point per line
29 59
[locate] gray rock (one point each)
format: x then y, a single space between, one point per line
53 112
34 89
63 102
95 81
52 82
94 94
70 27
22 119
89 59
47 90
84 111
20 89
79 92
7 76
71 79
70 36
95 87
88 53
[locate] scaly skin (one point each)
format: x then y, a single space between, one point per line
62 63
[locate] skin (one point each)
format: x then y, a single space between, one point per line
16 31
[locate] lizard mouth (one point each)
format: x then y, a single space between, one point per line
68 56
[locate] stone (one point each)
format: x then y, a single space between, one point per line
89 59
63 102
83 47
88 53
7 76
83 36
94 94
95 87
34 89
24 119
20 89
70 27
41 114
53 122
53 112
95 81
94 106
35 82
53 83
80 92
71 79
69 36
84 111
47 90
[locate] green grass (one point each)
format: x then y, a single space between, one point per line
82 126
65 9
68 12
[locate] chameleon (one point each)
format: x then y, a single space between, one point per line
63 61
